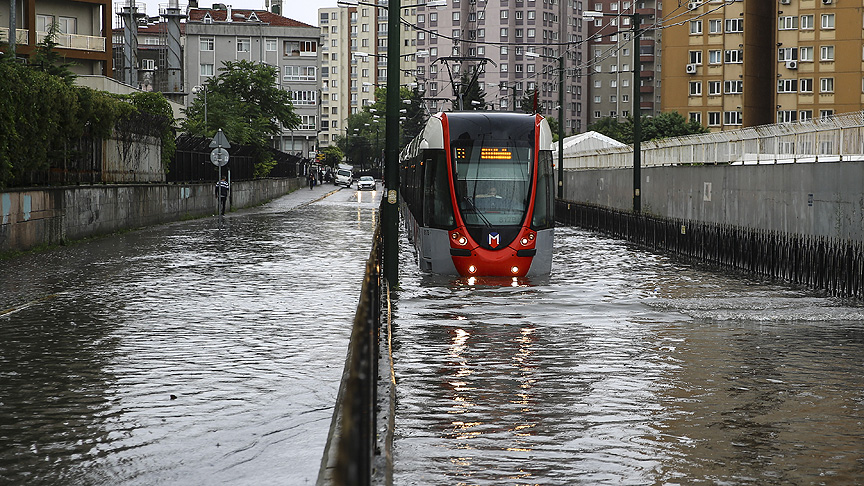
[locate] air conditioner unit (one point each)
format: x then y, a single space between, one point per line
691 69
827 2
792 64
695 5
785 2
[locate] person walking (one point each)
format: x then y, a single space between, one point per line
311 179
222 189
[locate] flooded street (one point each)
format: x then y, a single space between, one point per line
624 367
198 352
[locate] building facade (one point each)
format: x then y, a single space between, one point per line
214 36
754 62
354 42
83 31
610 62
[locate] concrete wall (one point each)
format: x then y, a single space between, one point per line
820 199
33 217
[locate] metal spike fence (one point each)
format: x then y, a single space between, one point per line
829 264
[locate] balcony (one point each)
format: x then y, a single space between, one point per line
76 41
20 34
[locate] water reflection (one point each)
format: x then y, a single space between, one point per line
201 352
624 367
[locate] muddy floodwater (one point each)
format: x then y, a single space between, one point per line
195 353
625 368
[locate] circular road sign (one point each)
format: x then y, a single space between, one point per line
219 157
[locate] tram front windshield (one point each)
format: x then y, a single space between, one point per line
493 180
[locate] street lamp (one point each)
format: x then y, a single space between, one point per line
636 21
560 118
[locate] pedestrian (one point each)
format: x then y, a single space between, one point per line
222 188
311 179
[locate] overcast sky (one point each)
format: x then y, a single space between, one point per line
303 10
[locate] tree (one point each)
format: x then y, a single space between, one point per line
664 125
50 60
472 97
244 101
332 155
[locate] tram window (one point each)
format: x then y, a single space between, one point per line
544 204
492 181
437 208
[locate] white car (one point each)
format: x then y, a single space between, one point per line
366 182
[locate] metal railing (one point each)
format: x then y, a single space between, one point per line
20 36
354 439
838 138
76 41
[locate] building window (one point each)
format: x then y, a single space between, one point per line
300 73
734 56
826 53
788 23
806 85
696 57
148 64
715 56
244 44
826 85
806 54
823 114
732 118
827 21
806 22
714 88
715 26
207 70
734 25
695 116
735 86
695 88
787 85
713 118
695 27
787 54
207 43
805 115
786 116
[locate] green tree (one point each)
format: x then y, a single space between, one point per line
664 125
473 98
610 127
332 155
48 59
244 101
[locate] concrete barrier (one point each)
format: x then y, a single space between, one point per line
48 216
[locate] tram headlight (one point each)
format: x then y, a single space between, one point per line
524 241
459 239
514 269
472 269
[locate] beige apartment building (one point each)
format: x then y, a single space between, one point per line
83 31
354 61
755 62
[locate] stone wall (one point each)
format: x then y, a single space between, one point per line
34 217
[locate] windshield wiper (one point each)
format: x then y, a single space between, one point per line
477 211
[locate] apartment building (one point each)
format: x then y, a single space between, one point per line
84 31
610 61
755 62
214 36
354 45
508 33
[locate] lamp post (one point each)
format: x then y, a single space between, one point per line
636 21
560 118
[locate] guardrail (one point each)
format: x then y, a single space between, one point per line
354 447
838 138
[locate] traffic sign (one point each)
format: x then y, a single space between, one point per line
220 140
219 157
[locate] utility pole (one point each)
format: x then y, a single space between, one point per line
13 28
389 209
637 116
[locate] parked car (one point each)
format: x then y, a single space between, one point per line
366 182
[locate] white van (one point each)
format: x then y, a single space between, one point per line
344 176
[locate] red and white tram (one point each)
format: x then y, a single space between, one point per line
477 192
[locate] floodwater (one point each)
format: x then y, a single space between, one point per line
625 368
199 352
